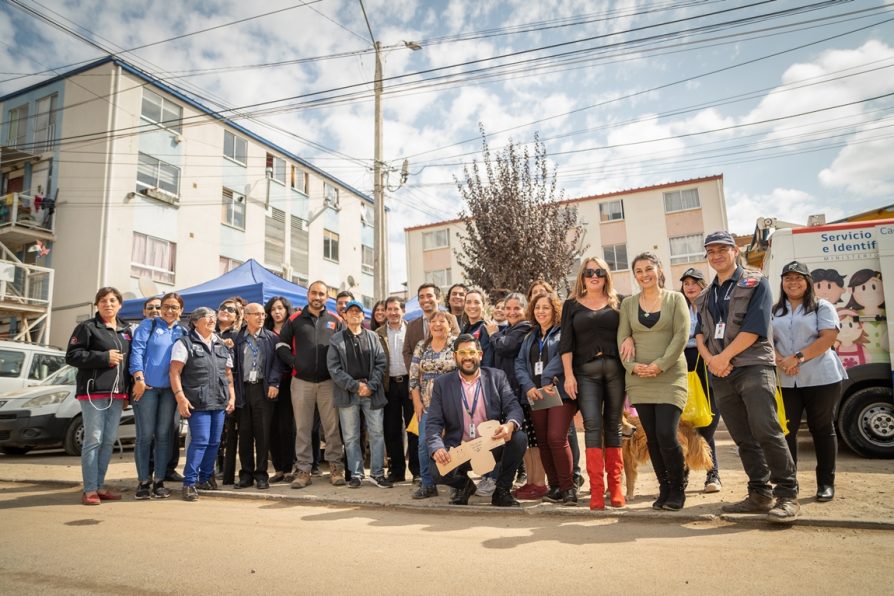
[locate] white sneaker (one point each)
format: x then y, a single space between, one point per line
712 484
486 487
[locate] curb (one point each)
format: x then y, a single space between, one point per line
536 510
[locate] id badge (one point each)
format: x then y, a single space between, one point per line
719 330
538 368
253 376
471 430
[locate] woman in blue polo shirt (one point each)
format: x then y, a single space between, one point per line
810 373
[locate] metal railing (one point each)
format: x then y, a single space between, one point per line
20 209
28 285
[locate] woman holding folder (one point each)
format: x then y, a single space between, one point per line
537 365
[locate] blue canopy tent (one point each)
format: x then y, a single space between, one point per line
250 280
412 310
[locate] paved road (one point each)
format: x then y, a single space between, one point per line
52 546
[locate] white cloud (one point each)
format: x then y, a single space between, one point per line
864 167
786 204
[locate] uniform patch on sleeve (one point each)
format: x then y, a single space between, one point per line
748 282
330 325
73 341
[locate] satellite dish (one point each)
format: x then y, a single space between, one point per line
147 287
351 282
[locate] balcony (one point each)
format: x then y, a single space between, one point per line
26 218
25 295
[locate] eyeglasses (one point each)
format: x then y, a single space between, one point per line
466 353
256 314
170 307
154 307
229 309
600 272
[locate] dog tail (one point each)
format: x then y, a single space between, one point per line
699 453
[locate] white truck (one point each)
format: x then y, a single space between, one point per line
852 265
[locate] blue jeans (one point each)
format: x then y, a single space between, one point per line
424 458
349 418
205 428
101 421
154 417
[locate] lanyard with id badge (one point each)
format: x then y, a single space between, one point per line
720 327
538 366
253 373
471 410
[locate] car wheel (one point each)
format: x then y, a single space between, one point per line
866 422
74 437
9 450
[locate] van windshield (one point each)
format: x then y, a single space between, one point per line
11 362
64 376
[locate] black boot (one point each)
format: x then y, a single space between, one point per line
676 495
663 491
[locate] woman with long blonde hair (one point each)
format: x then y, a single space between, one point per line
594 375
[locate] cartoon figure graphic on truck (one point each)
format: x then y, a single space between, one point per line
850 263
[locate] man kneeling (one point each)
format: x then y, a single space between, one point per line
460 402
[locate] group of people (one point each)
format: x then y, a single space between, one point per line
275 382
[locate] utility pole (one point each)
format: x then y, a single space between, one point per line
380 269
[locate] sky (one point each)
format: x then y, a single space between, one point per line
792 101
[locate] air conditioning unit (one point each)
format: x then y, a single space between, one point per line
161 195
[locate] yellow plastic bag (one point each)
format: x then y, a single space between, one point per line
698 408
413 426
780 408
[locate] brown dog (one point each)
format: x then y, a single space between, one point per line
696 452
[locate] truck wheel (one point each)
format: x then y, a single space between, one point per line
9 450
866 421
74 437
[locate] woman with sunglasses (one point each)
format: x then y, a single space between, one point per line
657 322
202 380
282 438
229 322
594 375
154 406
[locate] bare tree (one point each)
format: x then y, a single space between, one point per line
517 227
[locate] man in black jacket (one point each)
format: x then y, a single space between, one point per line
303 346
256 375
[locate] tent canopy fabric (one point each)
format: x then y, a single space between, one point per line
250 280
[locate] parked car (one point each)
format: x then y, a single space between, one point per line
48 415
23 363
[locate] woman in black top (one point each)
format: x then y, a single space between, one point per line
594 375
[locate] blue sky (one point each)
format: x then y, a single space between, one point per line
797 113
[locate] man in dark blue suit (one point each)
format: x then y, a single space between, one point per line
460 402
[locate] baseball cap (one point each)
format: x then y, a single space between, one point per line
693 273
720 237
352 304
796 267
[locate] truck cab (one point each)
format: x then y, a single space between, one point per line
852 265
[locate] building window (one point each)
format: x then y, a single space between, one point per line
435 239
300 180
441 278
17 133
45 123
227 264
680 200
367 215
277 168
299 247
161 111
330 195
611 211
686 249
233 209
369 260
275 237
330 246
153 257
616 256
154 173
235 148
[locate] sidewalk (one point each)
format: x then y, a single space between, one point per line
863 499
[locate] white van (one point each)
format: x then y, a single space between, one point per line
852 265
23 364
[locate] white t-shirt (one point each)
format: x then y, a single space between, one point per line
181 354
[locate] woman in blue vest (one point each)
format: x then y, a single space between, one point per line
202 380
153 401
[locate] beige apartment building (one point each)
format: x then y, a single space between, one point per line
669 219
129 182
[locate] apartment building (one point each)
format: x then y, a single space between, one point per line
669 219
151 191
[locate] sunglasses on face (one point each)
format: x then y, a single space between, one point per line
154 307
600 272
229 309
